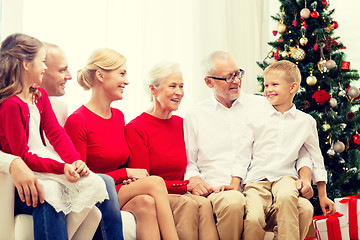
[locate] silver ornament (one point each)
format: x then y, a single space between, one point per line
305 13
339 147
330 64
333 102
353 92
331 152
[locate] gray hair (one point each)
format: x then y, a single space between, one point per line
159 72
208 66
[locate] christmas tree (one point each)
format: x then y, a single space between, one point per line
305 35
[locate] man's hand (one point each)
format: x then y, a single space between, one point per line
193 182
203 189
26 183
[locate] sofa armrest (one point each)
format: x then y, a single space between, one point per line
6 207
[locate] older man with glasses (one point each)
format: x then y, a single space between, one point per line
211 132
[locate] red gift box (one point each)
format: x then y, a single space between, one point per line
350 208
331 227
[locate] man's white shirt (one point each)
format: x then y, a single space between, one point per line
212 137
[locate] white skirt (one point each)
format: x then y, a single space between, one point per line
68 197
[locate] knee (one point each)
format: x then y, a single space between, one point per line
234 203
156 185
306 209
144 205
287 198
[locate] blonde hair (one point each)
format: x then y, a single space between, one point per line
159 72
15 49
286 69
101 59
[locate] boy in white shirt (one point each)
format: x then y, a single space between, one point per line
266 162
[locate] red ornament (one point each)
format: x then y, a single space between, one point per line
294 22
314 14
277 54
280 40
325 2
345 65
303 23
274 32
335 42
321 96
316 46
336 25
356 139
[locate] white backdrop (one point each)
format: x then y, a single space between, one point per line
149 31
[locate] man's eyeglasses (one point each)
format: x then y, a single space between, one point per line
229 79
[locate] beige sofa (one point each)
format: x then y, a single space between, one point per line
21 226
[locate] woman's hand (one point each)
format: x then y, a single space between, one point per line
81 168
70 173
136 173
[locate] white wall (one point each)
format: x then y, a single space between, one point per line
148 31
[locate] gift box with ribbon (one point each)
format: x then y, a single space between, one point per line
331 227
350 208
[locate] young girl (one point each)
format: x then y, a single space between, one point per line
25 115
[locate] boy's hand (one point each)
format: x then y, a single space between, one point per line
305 188
226 188
81 168
325 203
70 173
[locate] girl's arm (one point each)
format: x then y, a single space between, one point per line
15 126
55 133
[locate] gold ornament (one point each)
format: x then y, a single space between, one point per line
303 41
339 147
326 126
281 28
270 54
321 64
311 80
297 53
284 54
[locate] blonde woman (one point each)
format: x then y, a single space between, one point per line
97 131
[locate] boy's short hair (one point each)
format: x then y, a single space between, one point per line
288 70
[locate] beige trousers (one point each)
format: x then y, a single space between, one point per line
193 217
228 208
268 201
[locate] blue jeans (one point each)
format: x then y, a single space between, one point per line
48 224
110 226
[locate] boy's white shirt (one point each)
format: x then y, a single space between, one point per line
272 142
